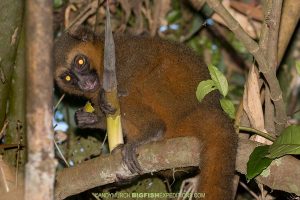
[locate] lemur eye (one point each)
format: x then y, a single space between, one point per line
80 62
68 78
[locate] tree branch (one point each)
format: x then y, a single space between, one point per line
273 24
258 53
177 152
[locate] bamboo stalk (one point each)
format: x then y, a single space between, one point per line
113 121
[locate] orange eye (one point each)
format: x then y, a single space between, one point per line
80 61
68 78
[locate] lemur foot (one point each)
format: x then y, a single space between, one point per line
130 158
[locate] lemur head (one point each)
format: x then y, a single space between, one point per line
78 63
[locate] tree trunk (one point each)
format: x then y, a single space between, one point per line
40 168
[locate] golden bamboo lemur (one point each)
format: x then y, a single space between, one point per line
157 80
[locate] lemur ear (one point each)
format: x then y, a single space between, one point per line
82 33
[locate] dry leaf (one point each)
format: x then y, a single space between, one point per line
253 106
251 101
251 11
250 26
261 139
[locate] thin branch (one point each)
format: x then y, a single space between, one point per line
273 22
249 190
3 129
258 132
60 153
87 11
263 40
273 32
269 47
59 101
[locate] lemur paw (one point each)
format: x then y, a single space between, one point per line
106 107
85 119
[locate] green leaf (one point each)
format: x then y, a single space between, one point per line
228 107
58 3
287 143
219 79
173 16
204 88
258 162
196 25
298 67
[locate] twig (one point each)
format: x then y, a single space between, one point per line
83 15
67 14
60 153
250 191
3 129
263 134
59 101
100 3
103 143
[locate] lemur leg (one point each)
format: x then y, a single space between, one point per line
143 127
154 131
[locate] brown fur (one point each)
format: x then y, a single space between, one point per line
159 79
